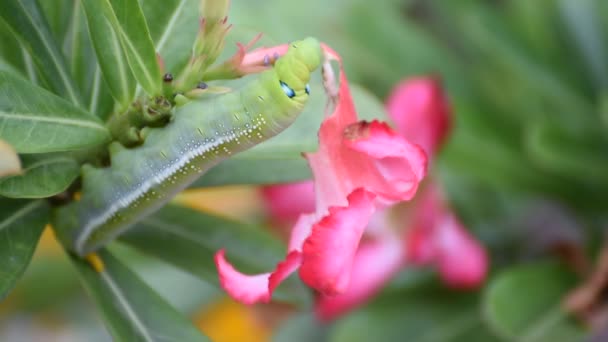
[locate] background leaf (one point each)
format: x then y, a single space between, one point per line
131 310
130 25
523 303
426 313
173 27
27 22
41 177
35 121
195 237
112 60
21 224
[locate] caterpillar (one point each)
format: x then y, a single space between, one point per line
140 180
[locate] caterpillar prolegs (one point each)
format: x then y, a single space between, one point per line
142 179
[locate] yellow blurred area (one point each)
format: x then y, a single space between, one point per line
228 321
236 202
48 244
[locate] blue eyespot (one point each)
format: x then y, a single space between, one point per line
307 89
288 91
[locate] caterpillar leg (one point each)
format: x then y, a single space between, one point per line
95 261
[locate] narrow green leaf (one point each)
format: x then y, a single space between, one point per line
9 161
173 26
279 159
131 310
10 50
35 121
26 22
41 177
80 52
523 303
21 224
59 15
130 25
112 60
101 102
195 237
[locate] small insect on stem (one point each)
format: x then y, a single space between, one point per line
202 85
168 77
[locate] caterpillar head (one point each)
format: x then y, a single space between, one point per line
294 68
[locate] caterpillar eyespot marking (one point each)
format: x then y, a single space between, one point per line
287 89
203 132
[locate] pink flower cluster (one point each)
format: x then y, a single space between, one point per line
343 241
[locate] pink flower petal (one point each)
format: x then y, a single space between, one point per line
286 202
375 263
250 289
350 156
327 255
462 262
421 112
400 164
438 238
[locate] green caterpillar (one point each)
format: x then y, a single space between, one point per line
142 179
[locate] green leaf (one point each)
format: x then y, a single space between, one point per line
10 50
26 22
21 224
523 303
576 156
195 237
41 177
426 313
79 49
131 310
112 60
173 27
35 121
279 159
128 21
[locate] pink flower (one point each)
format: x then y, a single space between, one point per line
433 238
421 112
359 168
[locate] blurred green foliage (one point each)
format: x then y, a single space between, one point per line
528 81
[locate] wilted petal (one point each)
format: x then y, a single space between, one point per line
250 289
375 263
421 112
327 255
